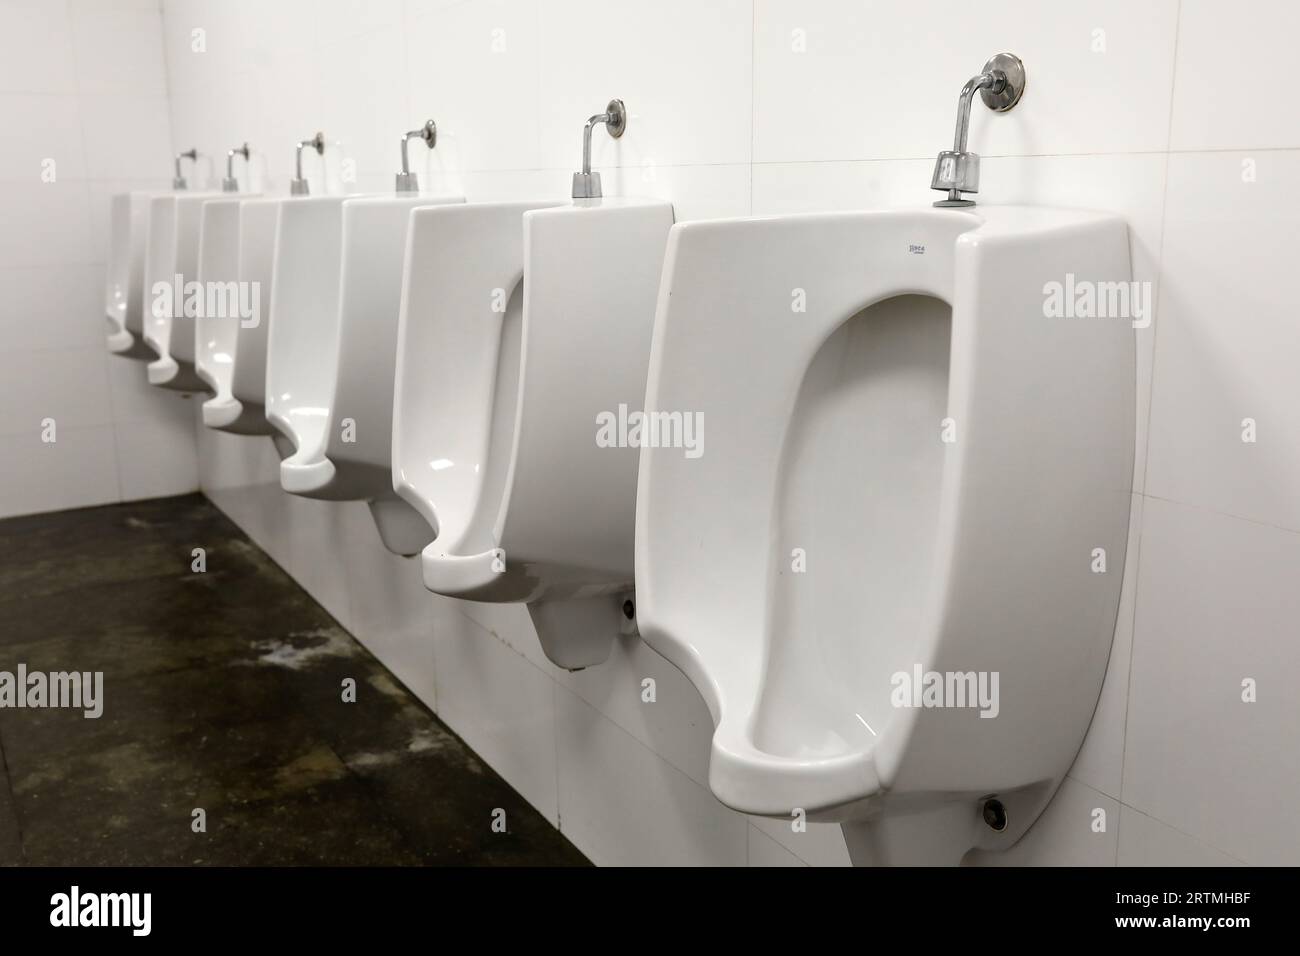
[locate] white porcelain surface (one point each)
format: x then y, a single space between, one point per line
824 436
245 406
171 250
304 295
217 336
343 383
117 283
499 400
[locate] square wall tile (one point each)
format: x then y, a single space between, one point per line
683 69
67 385
46 224
1145 841
818 844
156 459
42 139
1228 339
675 724
622 804
501 706
127 136
487 53
36 47
1257 35
764 851
119 50
1100 761
52 307
76 471
1099 77
1217 607
392 613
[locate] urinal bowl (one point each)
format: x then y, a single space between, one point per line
170 264
234 269
304 293
123 296
499 398
344 443
908 469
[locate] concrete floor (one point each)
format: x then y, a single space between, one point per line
222 691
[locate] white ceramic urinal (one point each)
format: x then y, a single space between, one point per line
300 359
345 376
170 265
123 290
909 467
502 386
242 409
239 306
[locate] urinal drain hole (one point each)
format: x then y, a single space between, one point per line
995 815
629 609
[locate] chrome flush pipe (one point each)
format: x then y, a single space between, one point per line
298 185
407 181
586 184
1000 85
230 184
178 181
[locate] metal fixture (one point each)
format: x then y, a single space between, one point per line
994 813
178 181
298 185
407 181
586 184
1000 84
230 184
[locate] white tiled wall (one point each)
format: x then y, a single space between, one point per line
82 83
1178 115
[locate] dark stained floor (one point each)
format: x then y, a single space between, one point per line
223 692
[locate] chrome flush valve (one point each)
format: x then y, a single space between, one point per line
230 184
298 185
586 184
178 181
407 181
1000 84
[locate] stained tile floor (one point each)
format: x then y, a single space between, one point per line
222 691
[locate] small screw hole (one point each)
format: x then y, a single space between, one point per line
995 815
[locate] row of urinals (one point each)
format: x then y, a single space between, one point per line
907 465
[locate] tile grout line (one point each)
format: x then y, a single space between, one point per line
1151 400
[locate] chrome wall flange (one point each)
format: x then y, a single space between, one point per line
1009 70
616 124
